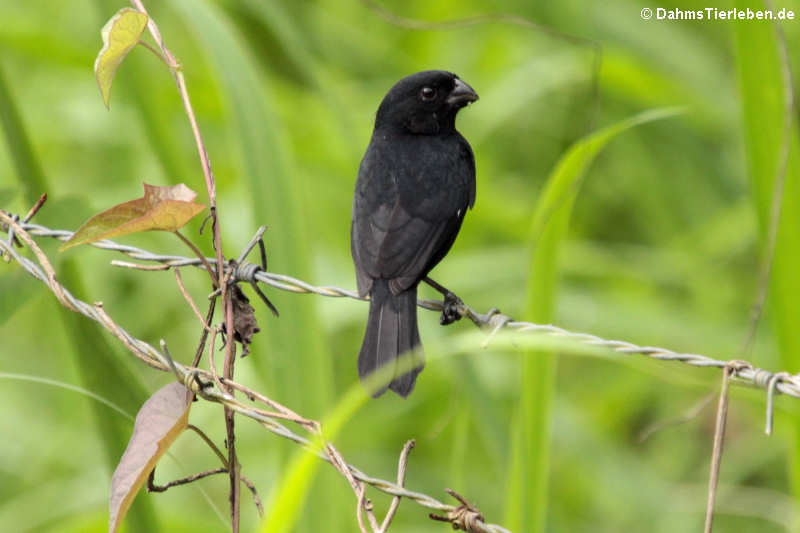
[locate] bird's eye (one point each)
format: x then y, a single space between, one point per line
427 94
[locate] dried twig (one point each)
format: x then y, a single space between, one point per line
719 439
35 209
152 487
189 300
401 479
254 492
689 415
198 354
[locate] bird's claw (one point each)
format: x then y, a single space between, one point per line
451 309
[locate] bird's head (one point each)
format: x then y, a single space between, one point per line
424 103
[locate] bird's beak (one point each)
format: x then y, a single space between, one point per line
461 95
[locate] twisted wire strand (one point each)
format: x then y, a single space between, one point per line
187 375
744 372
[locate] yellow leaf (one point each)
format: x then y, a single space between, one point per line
161 208
120 35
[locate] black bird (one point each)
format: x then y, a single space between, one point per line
415 183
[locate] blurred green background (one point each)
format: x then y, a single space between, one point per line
663 249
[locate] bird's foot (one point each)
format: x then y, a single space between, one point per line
451 309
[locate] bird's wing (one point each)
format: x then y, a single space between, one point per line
404 225
415 244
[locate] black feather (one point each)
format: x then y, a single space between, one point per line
391 332
415 184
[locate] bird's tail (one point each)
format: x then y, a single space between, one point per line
392 332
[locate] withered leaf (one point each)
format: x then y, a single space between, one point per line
161 208
159 422
120 34
244 319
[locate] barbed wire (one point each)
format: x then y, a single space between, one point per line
745 373
465 516
202 382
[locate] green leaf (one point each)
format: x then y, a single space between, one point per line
161 208
530 429
120 34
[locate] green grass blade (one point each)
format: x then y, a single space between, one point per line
764 117
31 178
285 504
67 386
528 464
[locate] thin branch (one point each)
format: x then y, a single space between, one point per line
35 209
401 479
719 439
49 273
210 444
200 256
211 363
224 461
198 354
152 487
228 366
156 53
687 416
282 411
362 503
189 300
360 508
127 340
254 492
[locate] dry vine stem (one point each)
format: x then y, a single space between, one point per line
227 305
719 440
202 383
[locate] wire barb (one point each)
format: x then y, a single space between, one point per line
465 517
773 380
494 320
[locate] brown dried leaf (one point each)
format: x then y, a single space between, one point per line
159 422
161 208
244 319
